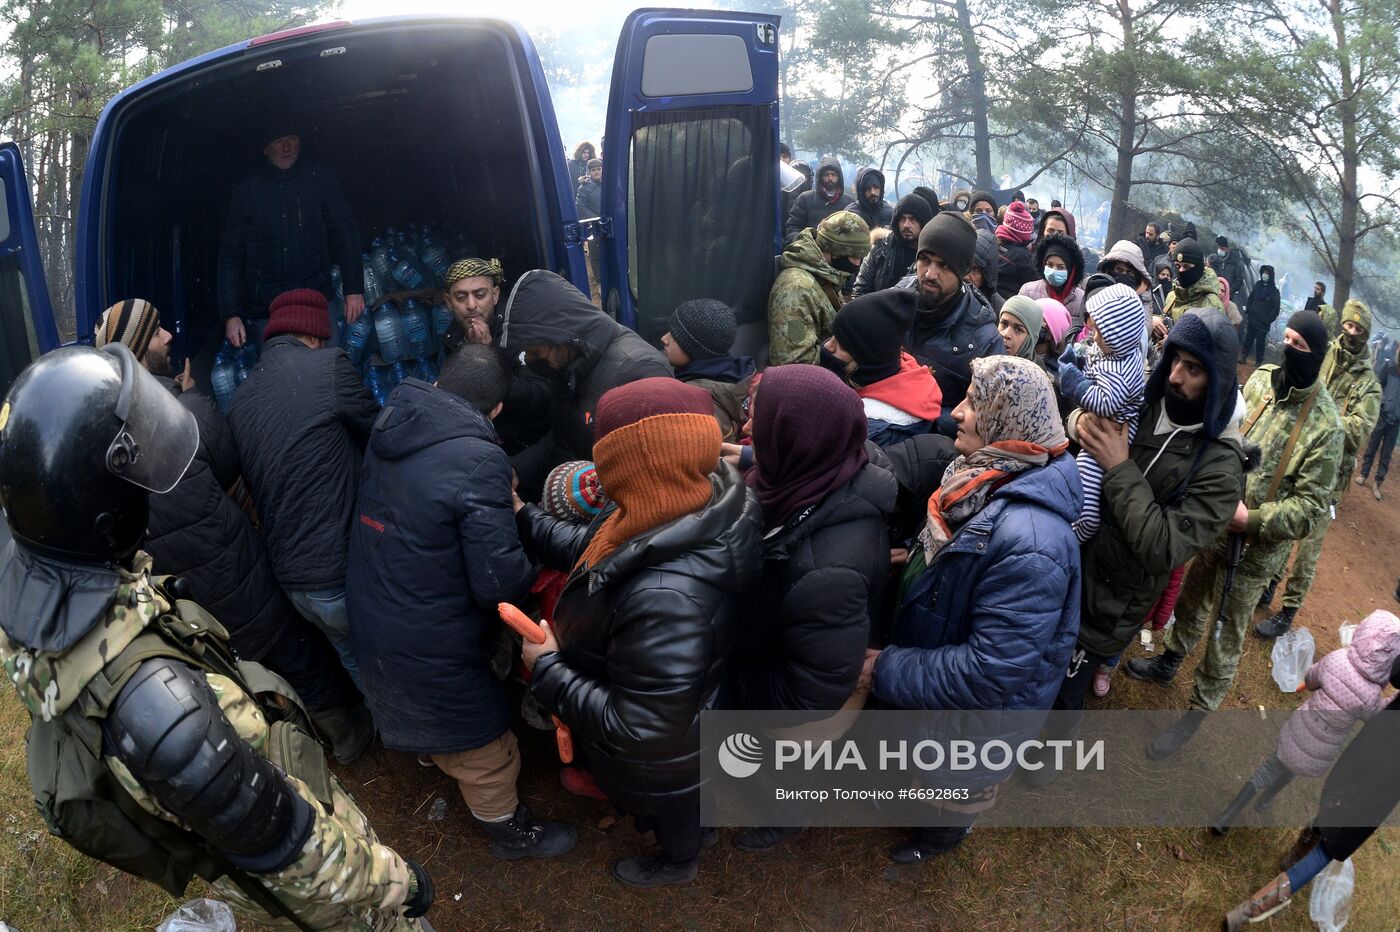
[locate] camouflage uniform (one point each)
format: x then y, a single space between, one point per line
1299 506
807 292
343 878
1354 387
1331 319
1205 293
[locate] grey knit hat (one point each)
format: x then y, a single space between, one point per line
704 328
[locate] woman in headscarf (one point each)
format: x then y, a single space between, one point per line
1019 325
647 616
990 611
825 552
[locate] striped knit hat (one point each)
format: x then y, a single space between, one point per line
572 492
133 322
1118 314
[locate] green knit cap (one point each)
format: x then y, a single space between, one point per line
844 233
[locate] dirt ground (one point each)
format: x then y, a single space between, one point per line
825 879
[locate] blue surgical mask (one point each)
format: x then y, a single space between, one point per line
1056 277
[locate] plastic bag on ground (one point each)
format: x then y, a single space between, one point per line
1346 632
1293 654
1329 904
204 915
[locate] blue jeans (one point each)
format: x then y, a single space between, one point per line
325 608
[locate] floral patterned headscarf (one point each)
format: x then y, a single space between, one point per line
1019 423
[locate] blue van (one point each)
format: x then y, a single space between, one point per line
433 120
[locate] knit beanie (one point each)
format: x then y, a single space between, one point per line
930 197
573 493
1188 250
844 233
1358 313
299 311
978 196
915 206
950 237
1018 226
629 403
872 328
704 328
1222 242
1309 326
657 443
133 322
1118 315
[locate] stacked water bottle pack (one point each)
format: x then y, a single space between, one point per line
231 367
401 337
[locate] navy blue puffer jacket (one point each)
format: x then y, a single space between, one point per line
992 623
433 549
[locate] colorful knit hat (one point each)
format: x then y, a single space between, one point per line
132 322
573 493
1018 226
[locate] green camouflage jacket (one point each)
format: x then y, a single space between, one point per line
342 879
1356 391
1311 472
1205 293
804 300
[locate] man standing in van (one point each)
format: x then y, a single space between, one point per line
286 226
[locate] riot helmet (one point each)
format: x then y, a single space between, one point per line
85 434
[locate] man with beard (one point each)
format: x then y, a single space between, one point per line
1348 376
472 290
953 323
890 259
197 532
870 199
1292 418
828 195
1318 298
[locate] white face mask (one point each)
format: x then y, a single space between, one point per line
1220 253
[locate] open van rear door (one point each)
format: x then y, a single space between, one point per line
690 168
27 327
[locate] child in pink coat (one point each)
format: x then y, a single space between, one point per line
1347 686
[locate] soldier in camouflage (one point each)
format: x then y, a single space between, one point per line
808 292
1353 386
1291 416
95 647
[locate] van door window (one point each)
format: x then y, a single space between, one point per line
701 188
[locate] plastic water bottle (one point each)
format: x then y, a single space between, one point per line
223 379
442 320
374 287
424 370
379 258
435 258
375 385
416 330
337 283
397 373
242 365
407 274
389 332
357 337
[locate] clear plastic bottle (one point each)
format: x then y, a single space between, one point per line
388 331
417 331
374 287
357 338
223 379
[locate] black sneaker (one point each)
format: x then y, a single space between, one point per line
1276 624
654 871
523 836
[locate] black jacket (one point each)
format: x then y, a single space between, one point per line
301 422
882 214
885 265
197 532
949 344
544 309
807 626
432 550
1263 305
1016 267
588 200
285 230
809 209
643 641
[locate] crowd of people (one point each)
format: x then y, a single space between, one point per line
973 468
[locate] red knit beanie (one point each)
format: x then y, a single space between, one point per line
1018 226
299 311
628 404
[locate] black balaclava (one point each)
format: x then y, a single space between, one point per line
1300 369
1188 250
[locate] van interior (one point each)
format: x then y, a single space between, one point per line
430 124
